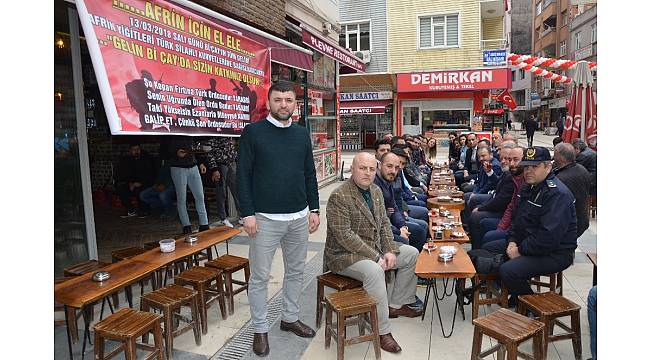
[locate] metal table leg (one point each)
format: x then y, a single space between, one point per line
437 306
67 330
426 298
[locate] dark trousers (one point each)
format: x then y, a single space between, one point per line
515 273
227 179
475 230
125 195
529 137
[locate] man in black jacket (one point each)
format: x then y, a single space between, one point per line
136 173
530 125
587 158
471 167
577 179
496 203
542 237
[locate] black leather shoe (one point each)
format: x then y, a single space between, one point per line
298 328
261 344
187 230
204 227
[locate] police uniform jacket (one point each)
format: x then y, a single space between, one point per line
544 219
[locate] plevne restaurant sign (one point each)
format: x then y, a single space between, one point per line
457 80
163 69
381 95
332 50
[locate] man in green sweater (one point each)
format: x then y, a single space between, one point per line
278 197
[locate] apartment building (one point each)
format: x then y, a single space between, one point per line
583 37
436 51
519 25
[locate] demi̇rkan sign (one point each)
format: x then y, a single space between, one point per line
457 80
162 69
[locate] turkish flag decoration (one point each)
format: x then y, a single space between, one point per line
507 99
506 4
573 118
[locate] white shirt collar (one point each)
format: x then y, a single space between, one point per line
278 123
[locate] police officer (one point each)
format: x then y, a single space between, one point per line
542 236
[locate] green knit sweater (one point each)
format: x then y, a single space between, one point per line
275 170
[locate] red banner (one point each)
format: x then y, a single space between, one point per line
165 70
507 99
332 50
458 80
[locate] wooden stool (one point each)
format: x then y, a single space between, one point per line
201 278
348 303
123 254
509 329
500 297
168 300
332 281
70 315
83 268
230 264
554 282
125 326
549 306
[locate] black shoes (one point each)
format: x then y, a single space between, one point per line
261 344
298 328
187 230
204 227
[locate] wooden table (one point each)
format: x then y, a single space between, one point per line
435 192
82 290
439 220
460 268
451 205
449 181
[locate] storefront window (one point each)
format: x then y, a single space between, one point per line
442 118
70 239
324 73
411 116
323 133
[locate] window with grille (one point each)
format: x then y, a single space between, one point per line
562 48
439 31
593 33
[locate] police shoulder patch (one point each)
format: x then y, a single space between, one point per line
551 183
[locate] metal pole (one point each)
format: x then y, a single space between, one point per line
583 110
82 136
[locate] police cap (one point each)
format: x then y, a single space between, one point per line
535 155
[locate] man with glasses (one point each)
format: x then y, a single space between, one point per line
542 238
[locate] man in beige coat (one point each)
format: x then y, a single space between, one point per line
360 245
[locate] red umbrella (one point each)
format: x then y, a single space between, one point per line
582 105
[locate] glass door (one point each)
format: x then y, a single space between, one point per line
72 243
411 120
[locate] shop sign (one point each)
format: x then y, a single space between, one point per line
459 80
332 50
494 57
557 103
379 95
362 111
535 100
162 69
583 53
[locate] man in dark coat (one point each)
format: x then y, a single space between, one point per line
135 173
577 179
530 125
542 237
587 158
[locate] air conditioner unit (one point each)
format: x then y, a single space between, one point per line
328 28
363 55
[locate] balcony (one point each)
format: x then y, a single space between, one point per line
493 44
545 38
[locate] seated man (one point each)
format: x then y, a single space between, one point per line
577 179
542 238
471 164
488 177
135 173
162 194
359 245
410 172
498 201
384 179
587 158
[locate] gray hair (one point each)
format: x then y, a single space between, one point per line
578 144
508 145
565 151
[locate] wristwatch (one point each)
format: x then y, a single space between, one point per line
315 211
